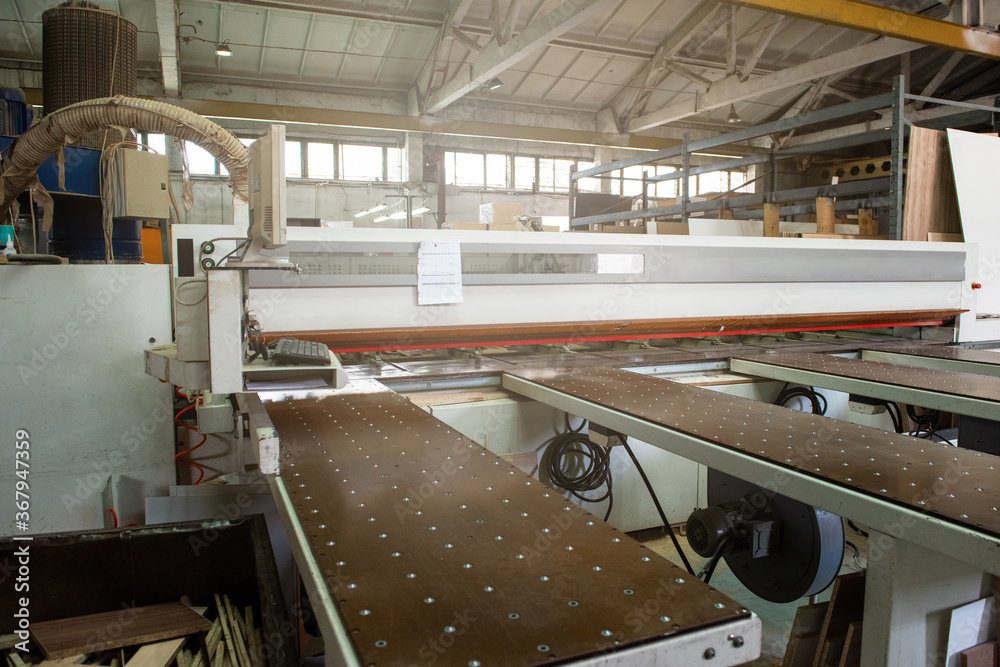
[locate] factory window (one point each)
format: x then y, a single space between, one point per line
319 160
466 169
199 160
632 180
497 170
490 170
665 189
738 179
587 184
157 142
524 172
293 159
714 182
362 163
394 163
553 174
517 172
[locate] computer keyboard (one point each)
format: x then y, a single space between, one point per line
291 351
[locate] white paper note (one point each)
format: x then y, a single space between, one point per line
439 273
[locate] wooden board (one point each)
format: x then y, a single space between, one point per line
826 218
931 203
772 220
847 604
851 656
804 638
159 654
668 228
875 237
984 655
867 224
832 650
941 237
113 629
971 625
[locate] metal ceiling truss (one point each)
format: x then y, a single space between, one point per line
732 89
695 25
497 56
166 27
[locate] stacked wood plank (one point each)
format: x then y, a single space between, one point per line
931 202
829 633
163 635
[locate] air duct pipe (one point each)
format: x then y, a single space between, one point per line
28 152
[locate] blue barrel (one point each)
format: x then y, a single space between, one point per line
78 233
15 113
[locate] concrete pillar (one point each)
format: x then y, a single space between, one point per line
413 166
909 595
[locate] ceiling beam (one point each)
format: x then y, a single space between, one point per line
731 89
450 24
405 123
495 58
166 28
624 101
758 50
867 17
350 10
305 48
507 30
939 78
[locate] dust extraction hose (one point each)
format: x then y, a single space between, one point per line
27 153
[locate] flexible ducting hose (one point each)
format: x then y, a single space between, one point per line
32 259
27 153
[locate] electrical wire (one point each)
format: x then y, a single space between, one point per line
927 424
709 570
191 282
34 231
894 414
177 457
114 518
596 464
818 400
659 509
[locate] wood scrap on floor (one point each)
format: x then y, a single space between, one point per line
804 638
139 625
847 605
851 656
230 639
984 655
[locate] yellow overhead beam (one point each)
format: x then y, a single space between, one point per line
423 124
867 17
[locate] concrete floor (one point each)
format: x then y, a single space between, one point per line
776 619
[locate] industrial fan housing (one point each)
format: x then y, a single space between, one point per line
779 548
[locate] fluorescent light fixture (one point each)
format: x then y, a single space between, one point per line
420 211
381 218
373 209
713 155
223 50
398 215
493 84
